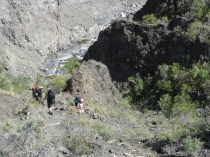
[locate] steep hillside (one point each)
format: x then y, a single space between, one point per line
109 127
33 30
145 83
160 61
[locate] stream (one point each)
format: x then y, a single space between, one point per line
53 65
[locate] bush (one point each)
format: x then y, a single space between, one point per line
4 84
193 29
56 82
1 69
84 41
78 146
199 9
164 18
165 85
72 64
9 82
165 103
104 131
139 86
192 146
149 19
8 125
19 83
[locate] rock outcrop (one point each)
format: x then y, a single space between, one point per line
94 84
162 8
131 47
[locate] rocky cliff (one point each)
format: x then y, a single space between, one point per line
167 8
131 47
33 30
93 78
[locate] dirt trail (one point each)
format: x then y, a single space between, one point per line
51 134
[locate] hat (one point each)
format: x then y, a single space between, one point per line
40 87
82 100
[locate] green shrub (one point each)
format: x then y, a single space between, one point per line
19 83
1 69
4 84
179 132
172 85
179 108
198 10
10 82
164 18
106 133
39 79
162 137
165 103
72 64
139 86
103 130
116 114
56 82
84 41
192 146
7 125
149 19
165 85
78 145
193 29
163 71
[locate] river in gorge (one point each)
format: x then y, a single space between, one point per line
53 65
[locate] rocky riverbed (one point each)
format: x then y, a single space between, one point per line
33 31
79 48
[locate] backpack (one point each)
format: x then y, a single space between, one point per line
51 96
77 100
33 91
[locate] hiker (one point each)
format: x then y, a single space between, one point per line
80 106
76 100
50 96
37 93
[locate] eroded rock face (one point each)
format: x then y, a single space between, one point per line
164 8
31 30
94 84
130 48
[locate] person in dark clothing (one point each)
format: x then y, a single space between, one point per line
76 100
50 96
37 93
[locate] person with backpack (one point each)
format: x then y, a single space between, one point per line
80 106
76 100
37 93
50 96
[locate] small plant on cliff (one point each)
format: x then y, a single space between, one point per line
10 82
58 83
164 18
149 19
192 146
103 130
1 69
78 145
193 29
72 64
8 125
198 10
4 84
84 41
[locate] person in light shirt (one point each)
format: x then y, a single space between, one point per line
80 106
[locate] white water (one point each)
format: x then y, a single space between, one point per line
53 65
